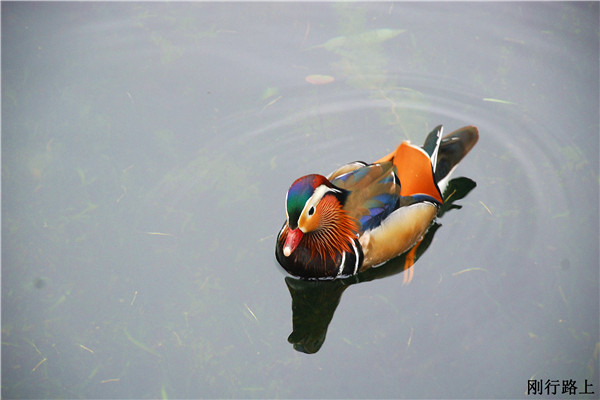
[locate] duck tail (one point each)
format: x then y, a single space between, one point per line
424 171
452 149
432 144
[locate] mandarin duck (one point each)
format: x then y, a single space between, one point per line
362 215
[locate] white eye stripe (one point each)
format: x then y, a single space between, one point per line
318 194
321 191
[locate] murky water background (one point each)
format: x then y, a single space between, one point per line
147 149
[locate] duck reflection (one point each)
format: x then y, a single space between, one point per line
315 302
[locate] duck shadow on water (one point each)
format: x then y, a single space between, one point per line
315 302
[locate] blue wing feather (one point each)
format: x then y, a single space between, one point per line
375 193
379 208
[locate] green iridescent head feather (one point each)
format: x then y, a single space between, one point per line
298 194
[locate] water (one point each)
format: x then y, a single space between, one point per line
147 149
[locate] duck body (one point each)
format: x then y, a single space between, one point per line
362 215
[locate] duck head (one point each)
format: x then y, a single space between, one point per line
315 215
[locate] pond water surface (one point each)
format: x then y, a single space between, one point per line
147 149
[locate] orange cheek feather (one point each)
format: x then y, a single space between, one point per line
311 223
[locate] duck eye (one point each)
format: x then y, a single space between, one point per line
311 211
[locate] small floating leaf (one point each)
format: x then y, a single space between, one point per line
513 40
381 35
86 348
317 79
111 380
140 344
469 270
562 294
38 364
332 44
498 101
270 92
486 207
364 38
